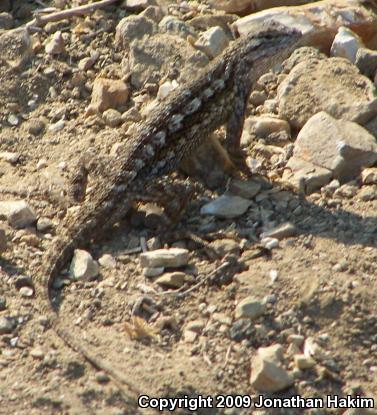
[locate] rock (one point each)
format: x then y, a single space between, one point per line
311 176
212 42
190 336
343 147
172 258
133 27
368 193
10 157
267 376
257 98
174 26
303 362
44 224
26 292
245 188
35 126
107 261
15 47
6 21
270 243
166 88
112 117
273 353
337 88
226 206
138 5
83 267
18 213
369 176
250 308
55 45
366 61
346 44
196 326
226 246
265 125
296 339
7 324
151 272
151 57
154 13
285 230
107 93
232 6
172 279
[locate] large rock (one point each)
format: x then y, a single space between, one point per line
340 146
18 213
333 85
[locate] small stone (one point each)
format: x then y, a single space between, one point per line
18 213
26 292
151 272
107 261
346 44
102 377
35 126
138 5
190 336
296 339
112 117
285 230
42 164
245 188
107 93
55 45
7 324
368 193
250 308
226 206
303 362
226 246
13 120
44 224
270 243
212 42
196 326
265 125
166 88
83 267
257 98
37 353
58 126
369 176
267 376
11 158
273 353
173 257
366 61
172 279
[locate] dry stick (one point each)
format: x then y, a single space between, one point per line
64 14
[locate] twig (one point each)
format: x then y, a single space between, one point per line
64 14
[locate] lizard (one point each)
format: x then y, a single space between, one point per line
215 96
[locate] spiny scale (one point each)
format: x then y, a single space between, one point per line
216 96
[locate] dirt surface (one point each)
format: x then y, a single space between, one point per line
325 288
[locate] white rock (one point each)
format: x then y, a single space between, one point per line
151 272
341 146
18 213
226 206
166 88
304 362
83 267
11 158
107 261
212 42
346 44
267 376
173 257
56 44
369 176
250 308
